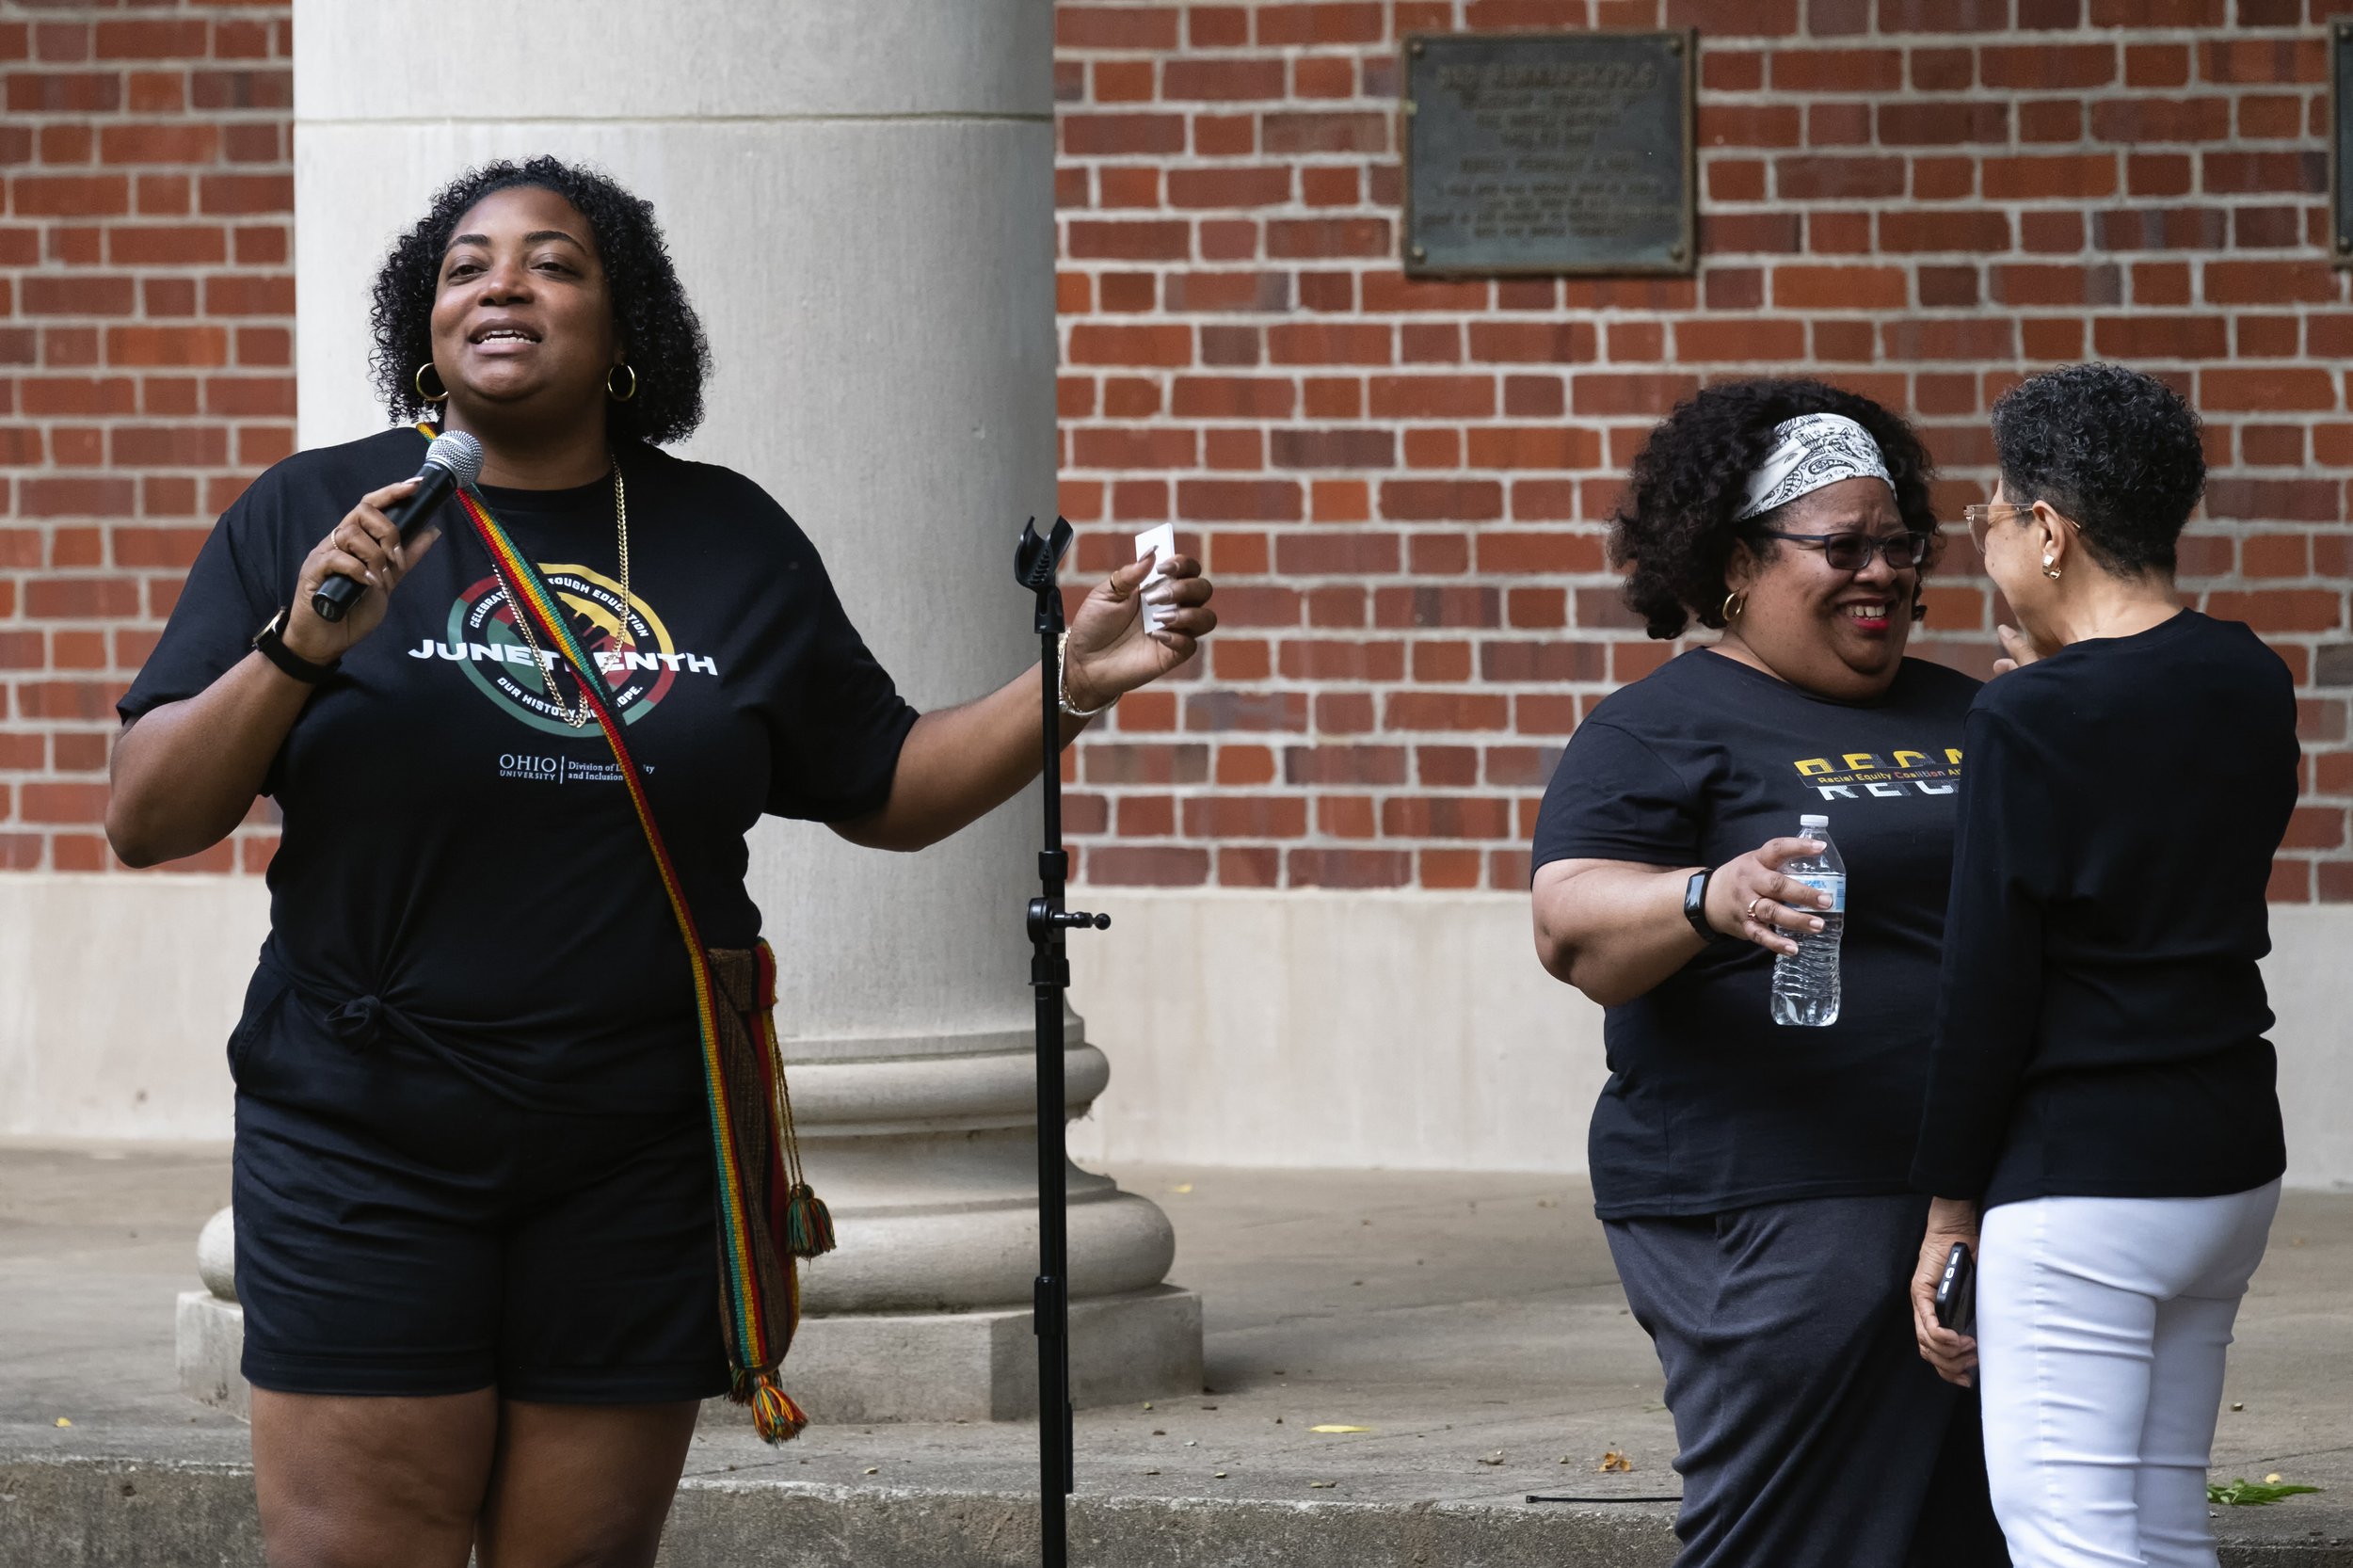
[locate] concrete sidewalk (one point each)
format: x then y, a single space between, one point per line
1471 1323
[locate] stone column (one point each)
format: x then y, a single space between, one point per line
860 198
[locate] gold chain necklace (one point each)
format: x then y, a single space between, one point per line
577 717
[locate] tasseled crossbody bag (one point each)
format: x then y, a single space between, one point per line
768 1217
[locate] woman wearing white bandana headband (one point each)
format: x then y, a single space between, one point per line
1752 1178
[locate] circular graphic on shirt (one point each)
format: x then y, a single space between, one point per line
638 670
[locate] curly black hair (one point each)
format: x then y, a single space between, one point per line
1674 527
2116 450
660 329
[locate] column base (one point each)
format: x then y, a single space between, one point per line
983 1366
209 1344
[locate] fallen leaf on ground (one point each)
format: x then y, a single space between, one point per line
1340 1428
63 1422
2243 1493
1614 1462
1495 1458
1320 1485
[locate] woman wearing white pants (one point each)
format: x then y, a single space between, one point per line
2102 1326
2101 1091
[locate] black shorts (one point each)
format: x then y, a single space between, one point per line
402 1230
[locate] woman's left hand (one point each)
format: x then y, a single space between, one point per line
1110 653
1953 1354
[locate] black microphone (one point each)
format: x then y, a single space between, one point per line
455 459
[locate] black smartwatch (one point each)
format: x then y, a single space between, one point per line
1695 905
270 645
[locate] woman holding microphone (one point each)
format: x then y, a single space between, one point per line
482 1231
2101 1101
1751 1175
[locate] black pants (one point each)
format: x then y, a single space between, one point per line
1813 1435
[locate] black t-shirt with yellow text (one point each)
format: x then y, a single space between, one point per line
1710 1105
459 865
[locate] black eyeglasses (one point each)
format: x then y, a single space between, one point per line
1851 551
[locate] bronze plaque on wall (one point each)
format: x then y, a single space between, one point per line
1560 152
2340 141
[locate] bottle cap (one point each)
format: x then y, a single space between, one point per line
1813 822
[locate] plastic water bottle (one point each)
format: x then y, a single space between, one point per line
1805 988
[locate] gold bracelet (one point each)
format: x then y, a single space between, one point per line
1061 683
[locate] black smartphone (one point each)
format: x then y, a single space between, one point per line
1956 1293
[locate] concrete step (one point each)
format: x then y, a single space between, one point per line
96 1512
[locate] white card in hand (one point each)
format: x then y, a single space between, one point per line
1159 543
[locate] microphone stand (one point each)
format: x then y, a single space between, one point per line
1034 562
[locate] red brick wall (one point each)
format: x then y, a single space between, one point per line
146 364
1401 486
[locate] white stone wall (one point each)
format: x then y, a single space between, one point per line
117 997
1417 1031
1404 1030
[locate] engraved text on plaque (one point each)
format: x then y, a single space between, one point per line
1567 153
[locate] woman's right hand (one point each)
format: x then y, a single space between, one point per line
366 548
2020 649
1750 898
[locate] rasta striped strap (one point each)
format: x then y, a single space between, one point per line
768 1217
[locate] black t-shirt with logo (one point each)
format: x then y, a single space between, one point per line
1710 1105
460 866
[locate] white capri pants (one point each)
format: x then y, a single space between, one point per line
2103 1324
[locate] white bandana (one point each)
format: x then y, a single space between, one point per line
1810 451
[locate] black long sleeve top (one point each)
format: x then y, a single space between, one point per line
2100 1010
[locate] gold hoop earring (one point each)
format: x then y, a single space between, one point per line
418 381
614 395
1735 603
